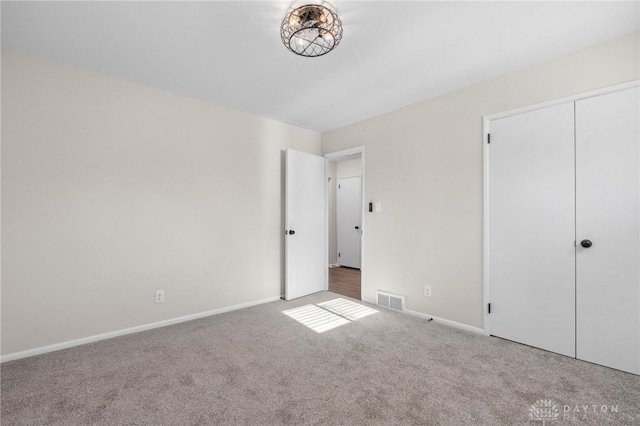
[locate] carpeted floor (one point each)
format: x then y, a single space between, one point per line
260 366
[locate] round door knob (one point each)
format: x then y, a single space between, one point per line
292 232
586 243
357 227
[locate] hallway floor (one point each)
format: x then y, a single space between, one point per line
345 281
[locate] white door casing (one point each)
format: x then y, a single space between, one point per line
608 215
305 220
532 228
349 206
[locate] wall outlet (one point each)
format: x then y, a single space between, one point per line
427 291
159 296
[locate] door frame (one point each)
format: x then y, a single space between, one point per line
486 130
339 156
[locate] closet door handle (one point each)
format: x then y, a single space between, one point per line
586 243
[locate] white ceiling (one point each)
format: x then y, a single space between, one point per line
229 53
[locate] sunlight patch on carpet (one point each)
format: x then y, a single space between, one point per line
317 319
348 309
329 315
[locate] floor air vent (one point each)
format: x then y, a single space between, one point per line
392 301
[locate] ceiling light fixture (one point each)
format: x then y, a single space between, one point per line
311 30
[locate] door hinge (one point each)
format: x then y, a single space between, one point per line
488 137
338 186
489 308
338 254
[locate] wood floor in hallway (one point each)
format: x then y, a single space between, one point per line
345 281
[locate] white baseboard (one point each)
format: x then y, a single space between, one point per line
130 330
439 320
444 321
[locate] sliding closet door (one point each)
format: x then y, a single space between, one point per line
532 228
608 215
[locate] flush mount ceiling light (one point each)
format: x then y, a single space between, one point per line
311 30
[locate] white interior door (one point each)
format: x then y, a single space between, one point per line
608 215
532 228
349 205
305 251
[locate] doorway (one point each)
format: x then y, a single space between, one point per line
348 215
345 181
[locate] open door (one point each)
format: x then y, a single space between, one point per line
305 219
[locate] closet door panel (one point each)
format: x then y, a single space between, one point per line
532 228
608 215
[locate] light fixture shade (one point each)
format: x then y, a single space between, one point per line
311 30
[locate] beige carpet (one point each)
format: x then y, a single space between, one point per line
260 366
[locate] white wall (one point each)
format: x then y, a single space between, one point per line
112 190
424 163
348 168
